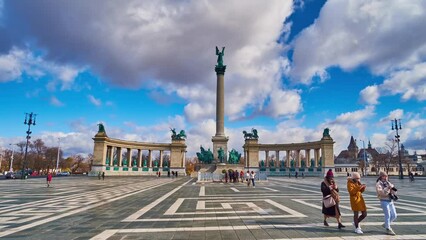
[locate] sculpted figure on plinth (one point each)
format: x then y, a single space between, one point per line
220 56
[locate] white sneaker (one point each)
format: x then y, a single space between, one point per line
359 225
390 231
358 231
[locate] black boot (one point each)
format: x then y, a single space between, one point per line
341 226
325 223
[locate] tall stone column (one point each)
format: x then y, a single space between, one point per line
139 158
219 139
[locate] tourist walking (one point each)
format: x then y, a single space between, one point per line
242 176
411 176
355 189
103 175
99 175
329 188
248 178
49 179
252 175
386 192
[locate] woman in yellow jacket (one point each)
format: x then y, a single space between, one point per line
355 189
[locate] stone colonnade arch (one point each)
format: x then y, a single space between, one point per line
319 157
108 157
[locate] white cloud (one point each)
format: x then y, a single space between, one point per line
370 95
284 103
18 62
134 43
355 117
10 67
56 102
395 114
410 83
94 101
384 36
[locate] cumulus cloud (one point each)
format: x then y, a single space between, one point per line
384 36
410 83
355 117
10 68
135 43
284 103
18 62
370 95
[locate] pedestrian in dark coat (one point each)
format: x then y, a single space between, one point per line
329 187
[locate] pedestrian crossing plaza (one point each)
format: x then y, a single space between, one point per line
180 208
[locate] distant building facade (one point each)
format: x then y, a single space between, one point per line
365 161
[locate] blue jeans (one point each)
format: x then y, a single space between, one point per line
389 211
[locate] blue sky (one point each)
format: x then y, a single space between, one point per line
141 67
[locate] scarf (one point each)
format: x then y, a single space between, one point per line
333 192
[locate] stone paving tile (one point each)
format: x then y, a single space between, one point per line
82 208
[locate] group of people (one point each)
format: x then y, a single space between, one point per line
235 176
386 193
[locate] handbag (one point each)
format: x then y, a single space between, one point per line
328 201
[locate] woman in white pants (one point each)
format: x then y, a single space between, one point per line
386 192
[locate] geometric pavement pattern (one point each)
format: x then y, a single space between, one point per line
180 208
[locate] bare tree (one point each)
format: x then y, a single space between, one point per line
362 165
390 154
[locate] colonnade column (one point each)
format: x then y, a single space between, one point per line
287 163
308 157
108 156
277 159
139 158
129 157
297 158
161 159
150 158
267 159
316 157
119 157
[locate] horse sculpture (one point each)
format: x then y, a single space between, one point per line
181 135
205 156
252 135
101 128
234 157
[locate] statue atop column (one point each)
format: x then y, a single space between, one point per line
101 131
220 68
220 56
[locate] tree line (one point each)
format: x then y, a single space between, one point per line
42 158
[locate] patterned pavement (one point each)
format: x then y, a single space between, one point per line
179 208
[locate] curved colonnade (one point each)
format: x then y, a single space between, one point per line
127 158
311 158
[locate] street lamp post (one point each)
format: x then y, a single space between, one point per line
11 159
30 119
396 128
57 158
364 156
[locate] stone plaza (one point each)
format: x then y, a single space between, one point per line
179 208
